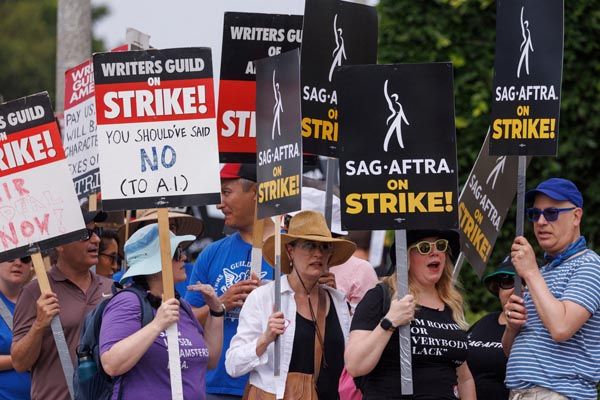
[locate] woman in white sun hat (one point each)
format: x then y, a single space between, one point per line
138 355
312 325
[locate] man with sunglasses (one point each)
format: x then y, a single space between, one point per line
75 292
553 331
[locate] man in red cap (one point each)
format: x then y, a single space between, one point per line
225 264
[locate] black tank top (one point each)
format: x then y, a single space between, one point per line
303 353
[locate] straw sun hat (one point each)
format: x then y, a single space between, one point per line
308 225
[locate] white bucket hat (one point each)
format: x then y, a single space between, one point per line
142 251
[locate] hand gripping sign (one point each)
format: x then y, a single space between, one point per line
38 205
158 143
398 158
247 37
335 33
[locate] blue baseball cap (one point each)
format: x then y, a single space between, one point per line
142 251
558 189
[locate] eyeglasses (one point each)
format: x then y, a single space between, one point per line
550 213
178 254
114 258
90 232
426 247
313 246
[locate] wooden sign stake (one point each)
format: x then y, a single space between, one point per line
169 293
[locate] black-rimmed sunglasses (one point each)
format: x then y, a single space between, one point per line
504 282
114 258
90 232
24 260
550 214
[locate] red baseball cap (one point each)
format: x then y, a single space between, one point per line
236 171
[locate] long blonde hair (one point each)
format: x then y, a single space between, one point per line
446 290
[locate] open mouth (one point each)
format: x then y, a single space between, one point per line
434 265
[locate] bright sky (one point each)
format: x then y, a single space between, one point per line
183 23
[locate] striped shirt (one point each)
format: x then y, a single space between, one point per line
572 367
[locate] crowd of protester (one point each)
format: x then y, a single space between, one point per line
337 324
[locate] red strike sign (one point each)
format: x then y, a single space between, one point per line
30 148
142 102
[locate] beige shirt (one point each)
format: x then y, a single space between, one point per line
47 378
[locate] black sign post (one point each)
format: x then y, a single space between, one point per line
398 158
527 85
279 150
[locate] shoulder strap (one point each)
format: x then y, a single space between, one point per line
321 311
6 315
147 311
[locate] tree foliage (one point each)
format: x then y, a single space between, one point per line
463 31
28 46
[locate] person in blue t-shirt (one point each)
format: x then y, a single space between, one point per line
14 274
553 331
225 264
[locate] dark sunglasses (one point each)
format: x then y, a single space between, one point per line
24 260
90 232
178 254
313 246
114 258
426 247
504 282
550 214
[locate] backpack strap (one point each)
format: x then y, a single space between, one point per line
147 310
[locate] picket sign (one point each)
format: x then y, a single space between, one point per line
57 330
277 278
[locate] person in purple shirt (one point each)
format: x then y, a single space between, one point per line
138 355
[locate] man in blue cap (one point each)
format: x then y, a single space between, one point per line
553 331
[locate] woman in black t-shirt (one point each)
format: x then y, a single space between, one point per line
438 337
486 358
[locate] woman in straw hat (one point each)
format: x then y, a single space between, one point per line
136 353
434 310
486 358
312 325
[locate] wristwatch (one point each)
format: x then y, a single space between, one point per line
217 313
387 325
